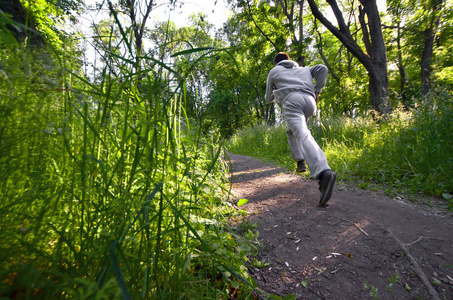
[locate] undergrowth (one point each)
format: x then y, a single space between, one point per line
108 190
409 150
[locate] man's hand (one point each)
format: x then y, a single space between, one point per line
316 97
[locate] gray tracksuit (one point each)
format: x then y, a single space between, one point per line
294 90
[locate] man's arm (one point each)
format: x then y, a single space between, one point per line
269 89
319 73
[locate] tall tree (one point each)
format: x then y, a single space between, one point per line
281 23
424 26
197 66
434 8
294 12
397 11
138 13
373 57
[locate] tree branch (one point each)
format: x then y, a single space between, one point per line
285 9
301 23
375 29
366 34
259 28
324 58
339 16
343 34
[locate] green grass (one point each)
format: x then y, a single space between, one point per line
109 191
410 150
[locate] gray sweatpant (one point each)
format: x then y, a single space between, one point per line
297 108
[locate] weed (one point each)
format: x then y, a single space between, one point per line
258 263
372 290
392 280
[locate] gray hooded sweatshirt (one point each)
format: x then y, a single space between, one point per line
287 78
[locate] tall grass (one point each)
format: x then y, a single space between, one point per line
107 190
410 150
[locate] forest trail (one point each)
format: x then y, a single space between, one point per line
362 243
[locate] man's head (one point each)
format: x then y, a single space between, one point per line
280 56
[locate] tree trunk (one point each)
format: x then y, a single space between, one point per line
138 27
427 54
296 40
401 69
375 58
21 16
270 114
378 88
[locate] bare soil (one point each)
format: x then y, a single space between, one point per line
363 243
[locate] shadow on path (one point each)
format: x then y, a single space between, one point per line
363 243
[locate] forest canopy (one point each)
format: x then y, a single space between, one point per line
380 55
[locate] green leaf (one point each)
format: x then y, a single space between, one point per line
305 283
447 196
118 274
193 51
242 202
235 284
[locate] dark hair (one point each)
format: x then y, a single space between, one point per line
280 56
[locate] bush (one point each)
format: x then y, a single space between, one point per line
105 192
407 150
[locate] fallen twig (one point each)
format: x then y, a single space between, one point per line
417 267
357 225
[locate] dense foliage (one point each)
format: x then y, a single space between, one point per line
108 189
106 192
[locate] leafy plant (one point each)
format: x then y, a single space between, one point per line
392 280
108 189
373 290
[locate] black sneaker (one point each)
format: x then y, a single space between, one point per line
301 166
326 184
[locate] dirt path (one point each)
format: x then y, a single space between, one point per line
362 243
